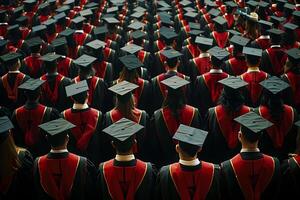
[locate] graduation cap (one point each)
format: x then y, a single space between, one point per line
39 28
31 84
252 3
185 3
111 20
294 55
86 13
10 58
168 34
18 10
29 2
289 6
163 4
69 2
171 54
59 42
191 15
60 16
220 20
277 20
78 20
138 34
76 88
91 5
190 135
252 51
131 48
263 4
96 44
231 4
234 32
233 82
166 20
240 41
189 9
297 123
100 30
210 3
67 33
3 43
194 25
112 9
13 28
139 9
218 53
253 123
275 32
274 85
296 14
164 8
214 12
195 32
49 22
175 82
55 127
5 126
137 15
50 57
204 41
131 62
34 42
290 26
265 25
22 20
64 8
44 6
123 90
136 25
85 61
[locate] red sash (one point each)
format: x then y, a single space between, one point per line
34 65
87 28
228 126
138 91
123 182
28 121
294 81
106 53
92 87
86 123
57 175
238 67
186 117
47 93
51 37
280 129
263 43
12 93
162 87
262 171
25 32
214 87
80 38
193 49
221 38
73 52
142 56
116 115
192 185
297 160
207 18
278 58
160 45
63 66
43 18
100 69
230 20
203 64
254 88
3 29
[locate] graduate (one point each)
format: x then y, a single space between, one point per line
166 120
11 97
85 137
27 118
61 174
125 177
189 178
16 165
53 90
80 37
222 129
250 174
191 50
263 41
220 35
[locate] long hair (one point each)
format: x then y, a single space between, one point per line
130 76
274 103
126 108
175 100
251 29
232 100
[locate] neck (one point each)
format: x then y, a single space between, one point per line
174 69
79 106
250 146
63 147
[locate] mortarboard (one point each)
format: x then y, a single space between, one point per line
234 32
50 57
218 53
22 20
33 42
294 55
185 3
137 15
131 48
123 88
296 14
195 32
31 84
39 28
265 24
86 13
3 43
214 12
69 2
204 41
11 57
139 9
91 5
49 22
18 10
168 34
211 3
13 28
171 54
164 8
231 4
78 19
60 16
289 6
166 20
274 85
57 126
233 82
111 20
5 126
67 32
64 8
263 4
162 4
138 34
131 62
136 25
85 61
252 51
190 135
252 3
239 40
29 2
192 15
175 82
275 32
290 26
220 20
58 42
189 9
297 123
194 25
76 88
96 44
100 30
276 19
44 6
112 9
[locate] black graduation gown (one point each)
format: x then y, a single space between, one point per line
291 94
190 51
236 176
118 180
21 185
80 180
191 182
273 60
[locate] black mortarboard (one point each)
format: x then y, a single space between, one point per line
296 14
294 55
76 88
67 32
78 20
211 3
253 122
277 19
297 123
263 4
190 135
39 28
123 88
10 57
220 20
96 44
289 6
194 25
185 3
214 12
164 8
139 9
131 48
204 41
22 19
274 85
195 32
44 6
31 84
290 26
252 51
100 30
49 22
131 62
50 57
175 82
136 25
192 15
275 32
137 15
60 16
189 9
234 32
111 20
64 8
29 2
33 42
13 28
168 34
91 5
171 53
123 130
233 82
112 9
85 61
239 40
218 53
3 43
5 126
138 34
265 24
57 126
231 4
69 2
166 20
162 4
18 10
252 3
86 13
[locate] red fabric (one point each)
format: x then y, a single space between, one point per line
106 53
238 67
34 64
228 126
138 91
186 116
253 176
194 50
47 92
51 37
222 8
280 129
100 69
230 20
57 175
221 38
160 44
3 29
254 88
80 38
92 83
214 87
112 37
192 185
25 32
123 182
12 93
116 115
203 64
294 81
142 55
63 66
28 121
162 87
73 52
30 16
278 58
86 123
87 28
43 18
263 43
297 160
14 47
207 18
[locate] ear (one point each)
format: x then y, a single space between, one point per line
240 136
113 144
177 148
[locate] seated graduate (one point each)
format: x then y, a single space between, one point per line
16 166
250 174
189 178
125 177
60 174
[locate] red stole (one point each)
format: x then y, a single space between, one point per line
25 32
297 160
51 37
278 58
87 28
142 55
197 182
162 87
92 83
33 64
203 64
294 81
123 182
230 20
138 91
28 121
86 123
12 93
73 52
57 175
160 44
80 38
193 49
280 129
221 38
12 47
263 43
253 176
116 115
43 18
106 53
47 92
100 69
63 66
214 87
228 127
253 79
238 67
207 18
3 29
186 117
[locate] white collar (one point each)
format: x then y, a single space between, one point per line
274 46
297 4
250 150
14 72
215 71
78 106
3 23
204 55
124 158
79 31
59 151
264 37
253 69
52 74
190 162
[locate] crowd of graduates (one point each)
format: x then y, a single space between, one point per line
146 99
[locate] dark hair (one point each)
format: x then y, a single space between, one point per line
172 62
189 149
124 147
231 99
129 75
249 136
81 97
252 60
126 105
33 95
62 50
175 100
57 140
35 49
274 103
275 39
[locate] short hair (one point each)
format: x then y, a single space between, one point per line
57 140
81 97
189 149
249 136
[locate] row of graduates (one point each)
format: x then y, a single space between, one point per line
61 174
